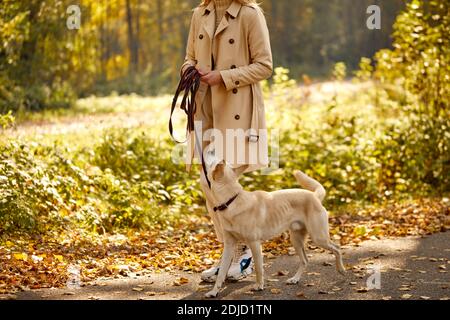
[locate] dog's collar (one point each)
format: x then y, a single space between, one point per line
225 205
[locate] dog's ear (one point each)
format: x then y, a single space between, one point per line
240 170
218 170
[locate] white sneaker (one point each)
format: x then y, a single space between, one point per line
239 269
210 274
242 267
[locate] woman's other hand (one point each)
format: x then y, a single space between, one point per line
200 71
212 78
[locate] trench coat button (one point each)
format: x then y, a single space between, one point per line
200 37
231 41
237 117
233 66
237 83
235 90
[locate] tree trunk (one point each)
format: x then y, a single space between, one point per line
160 58
132 68
137 40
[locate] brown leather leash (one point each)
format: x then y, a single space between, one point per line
188 87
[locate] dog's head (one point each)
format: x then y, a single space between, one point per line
221 173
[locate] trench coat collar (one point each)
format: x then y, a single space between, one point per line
234 8
209 24
209 8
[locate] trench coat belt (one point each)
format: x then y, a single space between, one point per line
254 126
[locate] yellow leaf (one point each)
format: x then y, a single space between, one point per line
275 291
180 281
21 256
58 257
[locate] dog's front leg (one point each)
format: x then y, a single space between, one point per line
225 262
255 246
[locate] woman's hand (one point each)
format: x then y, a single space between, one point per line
212 78
202 73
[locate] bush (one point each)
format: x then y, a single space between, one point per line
28 191
6 120
126 181
417 156
35 97
420 60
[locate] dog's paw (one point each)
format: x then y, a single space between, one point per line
293 280
211 294
258 287
211 279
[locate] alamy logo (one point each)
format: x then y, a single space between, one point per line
73 279
374 280
374 20
73 22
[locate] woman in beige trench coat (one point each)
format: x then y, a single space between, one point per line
229 45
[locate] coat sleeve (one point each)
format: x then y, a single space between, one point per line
261 65
190 60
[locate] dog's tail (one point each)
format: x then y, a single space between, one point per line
310 184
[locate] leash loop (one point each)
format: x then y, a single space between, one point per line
188 88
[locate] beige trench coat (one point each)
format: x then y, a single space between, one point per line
241 52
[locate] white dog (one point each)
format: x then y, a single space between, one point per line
253 217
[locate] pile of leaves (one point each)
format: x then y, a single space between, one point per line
189 245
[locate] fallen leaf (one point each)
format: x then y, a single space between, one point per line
336 288
21 256
404 289
386 298
138 289
180 281
425 298
406 296
275 291
59 257
36 259
362 290
282 273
